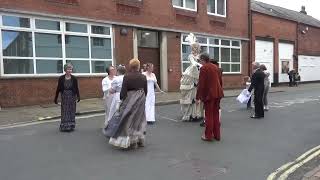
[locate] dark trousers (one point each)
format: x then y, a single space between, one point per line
212 119
290 80
258 103
249 103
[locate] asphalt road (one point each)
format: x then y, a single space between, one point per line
250 148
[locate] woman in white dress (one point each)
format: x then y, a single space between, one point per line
106 87
151 98
116 86
191 110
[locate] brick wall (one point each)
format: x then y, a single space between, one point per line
149 13
275 30
123 49
34 91
309 43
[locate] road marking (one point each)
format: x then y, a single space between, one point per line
167 118
296 166
16 125
309 153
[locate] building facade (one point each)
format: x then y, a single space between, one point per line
283 40
39 36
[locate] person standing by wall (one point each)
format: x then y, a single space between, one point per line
106 87
69 91
210 92
257 83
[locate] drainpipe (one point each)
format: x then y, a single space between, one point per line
250 37
297 46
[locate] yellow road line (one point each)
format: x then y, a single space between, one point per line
285 166
296 166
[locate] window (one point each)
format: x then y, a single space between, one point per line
14 21
101 48
17 44
48 45
185 4
77 47
226 52
73 27
100 30
37 47
217 7
148 39
49 25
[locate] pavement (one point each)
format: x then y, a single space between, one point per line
17 115
250 149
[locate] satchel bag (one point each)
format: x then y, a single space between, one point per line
244 96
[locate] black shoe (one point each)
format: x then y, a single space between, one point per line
202 124
256 117
150 122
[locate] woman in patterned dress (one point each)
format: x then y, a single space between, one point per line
69 91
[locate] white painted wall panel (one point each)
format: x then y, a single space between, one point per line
264 55
309 68
285 55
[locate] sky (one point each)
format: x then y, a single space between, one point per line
312 6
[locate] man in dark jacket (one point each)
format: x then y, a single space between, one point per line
257 83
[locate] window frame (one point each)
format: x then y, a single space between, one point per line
184 6
216 9
208 45
33 30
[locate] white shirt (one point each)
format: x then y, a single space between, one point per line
116 84
106 85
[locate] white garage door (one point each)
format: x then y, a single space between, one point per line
285 61
309 68
264 55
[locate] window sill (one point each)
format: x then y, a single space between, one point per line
45 76
132 3
186 12
67 2
217 20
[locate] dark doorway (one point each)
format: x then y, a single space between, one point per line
149 50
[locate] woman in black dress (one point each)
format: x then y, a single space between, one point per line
68 88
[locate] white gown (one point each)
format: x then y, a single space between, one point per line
151 97
188 88
106 85
116 86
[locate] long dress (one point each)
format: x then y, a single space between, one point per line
151 97
188 88
130 119
68 107
116 86
106 85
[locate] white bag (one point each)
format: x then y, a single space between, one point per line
244 96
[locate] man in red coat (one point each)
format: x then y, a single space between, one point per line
210 92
